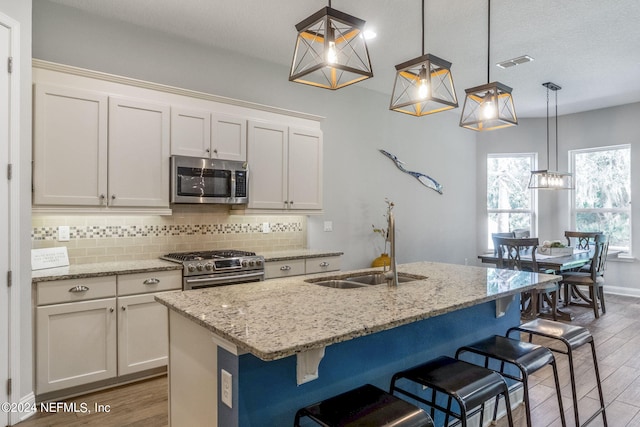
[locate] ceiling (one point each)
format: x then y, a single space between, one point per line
589 47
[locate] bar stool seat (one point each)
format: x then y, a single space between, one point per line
526 357
572 337
470 385
365 406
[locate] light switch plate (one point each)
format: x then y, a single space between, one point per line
265 227
328 226
63 233
226 385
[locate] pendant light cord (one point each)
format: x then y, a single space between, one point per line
548 159
556 92
422 27
488 39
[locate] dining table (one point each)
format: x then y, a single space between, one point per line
548 263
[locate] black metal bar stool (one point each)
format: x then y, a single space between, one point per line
572 337
470 385
365 406
526 357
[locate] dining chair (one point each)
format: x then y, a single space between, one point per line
493 238
510 252
593 280
582 239
521 233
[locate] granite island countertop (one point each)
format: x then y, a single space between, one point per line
277 318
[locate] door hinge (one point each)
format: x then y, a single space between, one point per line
9 171
9 278
10 65
9 387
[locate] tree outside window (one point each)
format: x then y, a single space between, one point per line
602 196
510 204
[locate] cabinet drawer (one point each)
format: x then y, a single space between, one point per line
72 290
319 265
153 281
294 267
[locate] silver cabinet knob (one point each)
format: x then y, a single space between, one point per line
113 197
79 288
324 264
151 281
285 268
124 308
111 310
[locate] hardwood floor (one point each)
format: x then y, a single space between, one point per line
617 337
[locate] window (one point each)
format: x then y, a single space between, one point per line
602 198
510 204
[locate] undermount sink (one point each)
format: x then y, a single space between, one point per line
362 280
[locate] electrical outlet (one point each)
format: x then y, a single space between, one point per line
328 226
226 385
265 227
63 233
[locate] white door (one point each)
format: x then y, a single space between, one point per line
4 221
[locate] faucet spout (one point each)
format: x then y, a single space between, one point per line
392 274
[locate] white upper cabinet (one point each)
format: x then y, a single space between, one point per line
285 167
199 133
138 153
190 132
228 137
70 146
267 156
95 150
305 169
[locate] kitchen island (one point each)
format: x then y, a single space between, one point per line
252 354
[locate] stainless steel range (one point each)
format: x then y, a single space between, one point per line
203 269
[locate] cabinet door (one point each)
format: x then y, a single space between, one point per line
75 344
70 146
228 137
305 169
143 334
138 153
267 156
190 132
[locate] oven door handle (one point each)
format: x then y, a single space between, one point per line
225 278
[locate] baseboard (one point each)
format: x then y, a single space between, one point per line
28 401
619 290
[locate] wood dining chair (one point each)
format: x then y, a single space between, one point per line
510 252
493 238
593 280
581 239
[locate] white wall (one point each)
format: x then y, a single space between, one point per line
21 12
598 128
357 124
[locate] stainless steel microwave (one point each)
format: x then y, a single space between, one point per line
202 180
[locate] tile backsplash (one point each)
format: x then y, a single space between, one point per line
115 237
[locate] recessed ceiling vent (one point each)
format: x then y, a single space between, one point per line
514 61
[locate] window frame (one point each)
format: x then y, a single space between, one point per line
533 209
573 211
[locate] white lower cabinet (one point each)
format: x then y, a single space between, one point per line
143 341
76 344
298 267
100 328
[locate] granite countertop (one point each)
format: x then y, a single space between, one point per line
81 271
277 318
298 254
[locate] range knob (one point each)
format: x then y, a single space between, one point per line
259 262
208 266
252 263
200 267
245 263
191 268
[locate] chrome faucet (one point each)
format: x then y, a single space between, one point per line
392 275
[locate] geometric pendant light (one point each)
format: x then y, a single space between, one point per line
489 106
331 51
547 179
423 85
